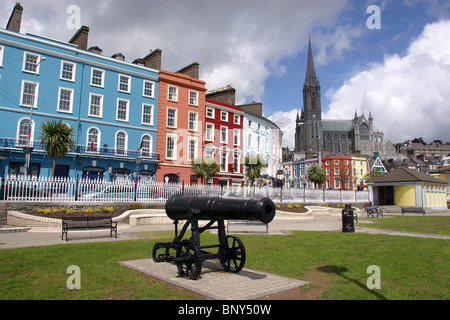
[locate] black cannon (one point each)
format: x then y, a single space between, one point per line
189 254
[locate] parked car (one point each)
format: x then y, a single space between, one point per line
232 195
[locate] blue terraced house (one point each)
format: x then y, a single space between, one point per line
111 104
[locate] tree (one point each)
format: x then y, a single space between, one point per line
372 174
253 166
205 168
317 175
57 137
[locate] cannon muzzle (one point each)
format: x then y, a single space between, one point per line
183 207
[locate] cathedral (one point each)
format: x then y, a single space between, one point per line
357 136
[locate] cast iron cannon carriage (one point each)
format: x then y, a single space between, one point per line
189 254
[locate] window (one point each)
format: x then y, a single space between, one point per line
31 62
210 113
149 89
65 100
336 171
249 141
171 118
209 132
223 134
68 71
121 143
171 147
29 94
93 140
192 148
224 116
193 98
146 149
250 123
147 114
24 132
209 151
237 137
237 162
96 105
193 123
1 55
97 77
237 119
122 110
124 83
223 160
336 162
173 94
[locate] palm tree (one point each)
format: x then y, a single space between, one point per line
253 166
316 174
57 137
205 168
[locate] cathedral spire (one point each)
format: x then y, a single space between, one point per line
311 76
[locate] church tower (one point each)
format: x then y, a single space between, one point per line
309 131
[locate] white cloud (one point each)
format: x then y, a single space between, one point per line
408 96
286 122
236 42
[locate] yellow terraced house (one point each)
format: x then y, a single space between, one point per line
408 188
359 167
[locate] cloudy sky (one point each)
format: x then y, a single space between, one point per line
400 72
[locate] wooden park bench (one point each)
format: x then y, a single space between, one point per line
88 223
413 210
372 211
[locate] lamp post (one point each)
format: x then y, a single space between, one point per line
29 148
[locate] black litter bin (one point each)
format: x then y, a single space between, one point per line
348 222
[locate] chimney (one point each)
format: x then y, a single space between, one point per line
81 38
255 107
153 59
95 50
225 95
16 18
191 70
118 56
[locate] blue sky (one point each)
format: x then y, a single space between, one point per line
400 72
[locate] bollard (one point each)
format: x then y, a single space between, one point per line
348 222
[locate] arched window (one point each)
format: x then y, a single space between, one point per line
93 140
146 142
121 143
364 132
24 134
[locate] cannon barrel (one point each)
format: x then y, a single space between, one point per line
180 208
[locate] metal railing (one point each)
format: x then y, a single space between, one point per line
30 189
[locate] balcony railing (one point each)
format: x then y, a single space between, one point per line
11 143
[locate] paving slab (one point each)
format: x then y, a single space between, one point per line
216 284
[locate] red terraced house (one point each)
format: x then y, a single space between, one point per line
223 141
339 172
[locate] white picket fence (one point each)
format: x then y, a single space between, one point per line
21 189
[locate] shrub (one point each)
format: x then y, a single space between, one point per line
63 210
97 210
297 205
55 210
87 210
289 206
108 209
47 211
69 211
135 206
278 206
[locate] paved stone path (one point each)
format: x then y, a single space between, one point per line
216 284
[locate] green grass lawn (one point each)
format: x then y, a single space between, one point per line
420 224
411 268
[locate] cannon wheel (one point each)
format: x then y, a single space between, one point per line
188 260
234 259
